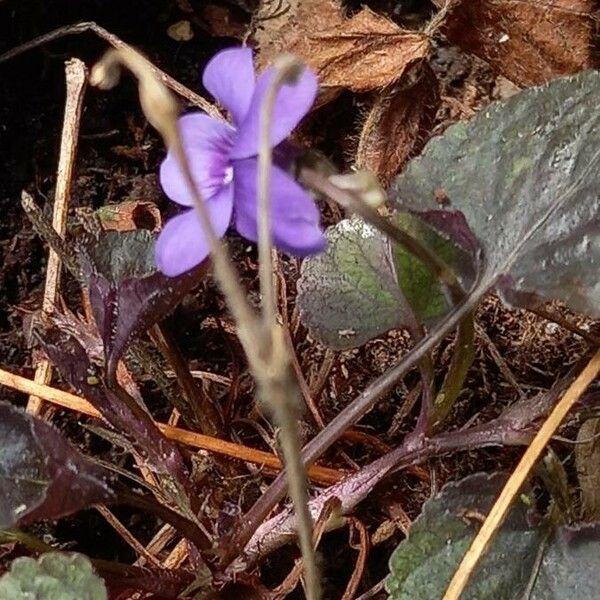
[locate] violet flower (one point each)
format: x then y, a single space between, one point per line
223 160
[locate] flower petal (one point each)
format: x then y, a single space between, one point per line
181 245
207 143
229 77
294 215
292 103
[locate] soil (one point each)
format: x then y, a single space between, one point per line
117 160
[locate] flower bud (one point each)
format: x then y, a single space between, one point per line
363 183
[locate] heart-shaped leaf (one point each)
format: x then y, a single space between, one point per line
41 475
362 285
525 173
422 565
127 293
53 576
349 294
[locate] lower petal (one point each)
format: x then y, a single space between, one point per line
294 215
181 245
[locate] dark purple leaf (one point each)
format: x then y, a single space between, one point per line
525 173
127 293
130 419
41 474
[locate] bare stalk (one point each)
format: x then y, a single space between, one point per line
279 390
76 78
287 71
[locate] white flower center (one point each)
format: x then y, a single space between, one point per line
228 175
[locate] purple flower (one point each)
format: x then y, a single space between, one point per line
223 160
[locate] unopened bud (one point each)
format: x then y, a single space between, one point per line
363 183
106 72
159 105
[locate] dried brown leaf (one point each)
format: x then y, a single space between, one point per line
397 125
528 41
361 53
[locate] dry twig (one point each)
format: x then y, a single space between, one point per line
76 79
118 44
322 475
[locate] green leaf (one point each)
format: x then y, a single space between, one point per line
349 293
419 285
525 173
123 255
570 566
523 557
54 576
362 285
422 566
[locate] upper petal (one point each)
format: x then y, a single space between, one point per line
292 103
294 215
229 77
181 245
207 144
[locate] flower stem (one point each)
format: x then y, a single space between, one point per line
462 359
279 390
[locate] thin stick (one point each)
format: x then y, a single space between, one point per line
76 79
322 475
500 362
177 556
117 43
163 537
565 323
502 505
127 536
